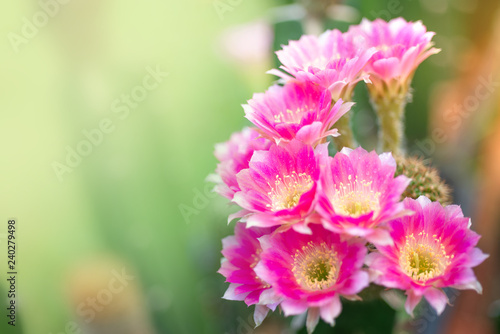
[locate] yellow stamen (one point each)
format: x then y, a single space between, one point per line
424 257
356 198
316 266
287 190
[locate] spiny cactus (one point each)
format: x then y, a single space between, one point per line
425 180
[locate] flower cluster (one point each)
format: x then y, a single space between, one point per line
313 227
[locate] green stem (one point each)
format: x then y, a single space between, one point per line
346 138
390 111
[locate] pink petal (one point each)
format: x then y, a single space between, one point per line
231 295
387 68
380 237
411 301
293 307
437 298
312 319
269 296
260 314
331 311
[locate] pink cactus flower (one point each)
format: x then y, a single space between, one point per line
241 255
234 156
359 193
298 110
279 187
401 46
433 249
331 60
311 272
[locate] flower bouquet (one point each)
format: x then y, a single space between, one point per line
315 227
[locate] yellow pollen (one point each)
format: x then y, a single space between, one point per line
424 257
316 266
384 48
292 116
322 61
256 258
318 62
287 190
355 198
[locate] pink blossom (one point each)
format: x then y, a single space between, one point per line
359 193
234 156
401 47
311 272
241 255
433 249
298 110
331 60
279 187
249 44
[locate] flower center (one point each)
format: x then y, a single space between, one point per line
292 116
319 62
355 198
424 257
383 47
315 267
287 190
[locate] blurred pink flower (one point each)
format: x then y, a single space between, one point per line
248 44
234 156
241 254
433 249
358 193
298 110
311 272
279 187
331 60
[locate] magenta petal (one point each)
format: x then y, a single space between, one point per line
310 134
356 282
401 47
447 241
234 156
332 60
284 251
299 110
280 185
358 193
241 254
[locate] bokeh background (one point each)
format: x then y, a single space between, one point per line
128 236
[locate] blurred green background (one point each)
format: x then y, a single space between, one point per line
138 201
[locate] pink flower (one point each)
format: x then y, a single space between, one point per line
401 46
359 193
241 254
234 156
298 110
311 272
279 187
433 249
331 60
